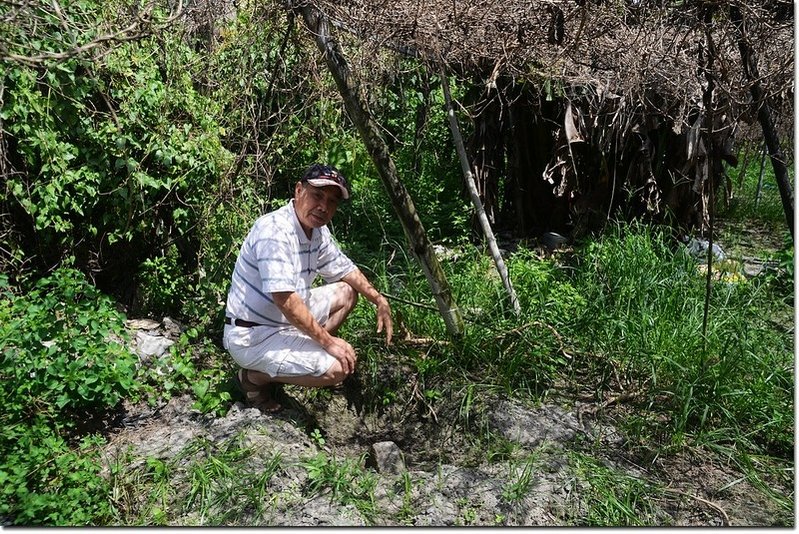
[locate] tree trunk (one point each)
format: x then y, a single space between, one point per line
478 206
749 59
378 150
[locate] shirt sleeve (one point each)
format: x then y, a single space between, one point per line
333 264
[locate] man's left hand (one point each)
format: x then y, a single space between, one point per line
384 318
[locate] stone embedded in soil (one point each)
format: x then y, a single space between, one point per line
387 458
148 345
548 423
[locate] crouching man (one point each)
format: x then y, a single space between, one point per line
278 327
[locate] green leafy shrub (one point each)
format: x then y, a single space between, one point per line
115 158
62 349
193 366
162 284
46 481
63 359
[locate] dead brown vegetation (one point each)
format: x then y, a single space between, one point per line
582 110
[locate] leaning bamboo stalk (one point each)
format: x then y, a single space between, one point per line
401 201
759 188
475 197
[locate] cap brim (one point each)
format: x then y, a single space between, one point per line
322 182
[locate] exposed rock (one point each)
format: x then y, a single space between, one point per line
553 240
531 428
698 249
172 328
753 269
538 486
387 458
142 324
149 346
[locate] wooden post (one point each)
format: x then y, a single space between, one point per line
473 194
354 102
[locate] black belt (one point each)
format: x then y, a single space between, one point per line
241 322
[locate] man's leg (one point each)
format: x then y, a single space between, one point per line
265 395
332 376
342 301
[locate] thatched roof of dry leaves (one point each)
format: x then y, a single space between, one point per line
649 53
617 70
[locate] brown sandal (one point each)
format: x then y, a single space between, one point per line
261 397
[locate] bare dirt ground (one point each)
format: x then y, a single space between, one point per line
450 478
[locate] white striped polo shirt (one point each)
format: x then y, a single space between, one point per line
277 256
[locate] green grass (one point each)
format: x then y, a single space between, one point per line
206 484
746 203
608 498
643 329
521 479
622 315
346 481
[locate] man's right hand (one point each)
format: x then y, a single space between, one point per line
343 352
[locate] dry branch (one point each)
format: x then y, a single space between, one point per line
142 26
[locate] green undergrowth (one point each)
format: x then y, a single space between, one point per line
66 370
608 498
755 195
64 365
619 316
642 333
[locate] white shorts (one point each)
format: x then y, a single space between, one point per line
282 351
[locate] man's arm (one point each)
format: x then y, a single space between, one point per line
301 317
359 283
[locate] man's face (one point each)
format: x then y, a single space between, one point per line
315 206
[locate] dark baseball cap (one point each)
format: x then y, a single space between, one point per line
319 175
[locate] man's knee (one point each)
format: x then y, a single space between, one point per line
334 374
345 300
350 296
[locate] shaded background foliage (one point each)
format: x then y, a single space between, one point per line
134 155
585 111
144 163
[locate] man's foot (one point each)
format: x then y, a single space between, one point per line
336 387
258 396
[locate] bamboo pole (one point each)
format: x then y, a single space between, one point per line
354 102
760 175
475 197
